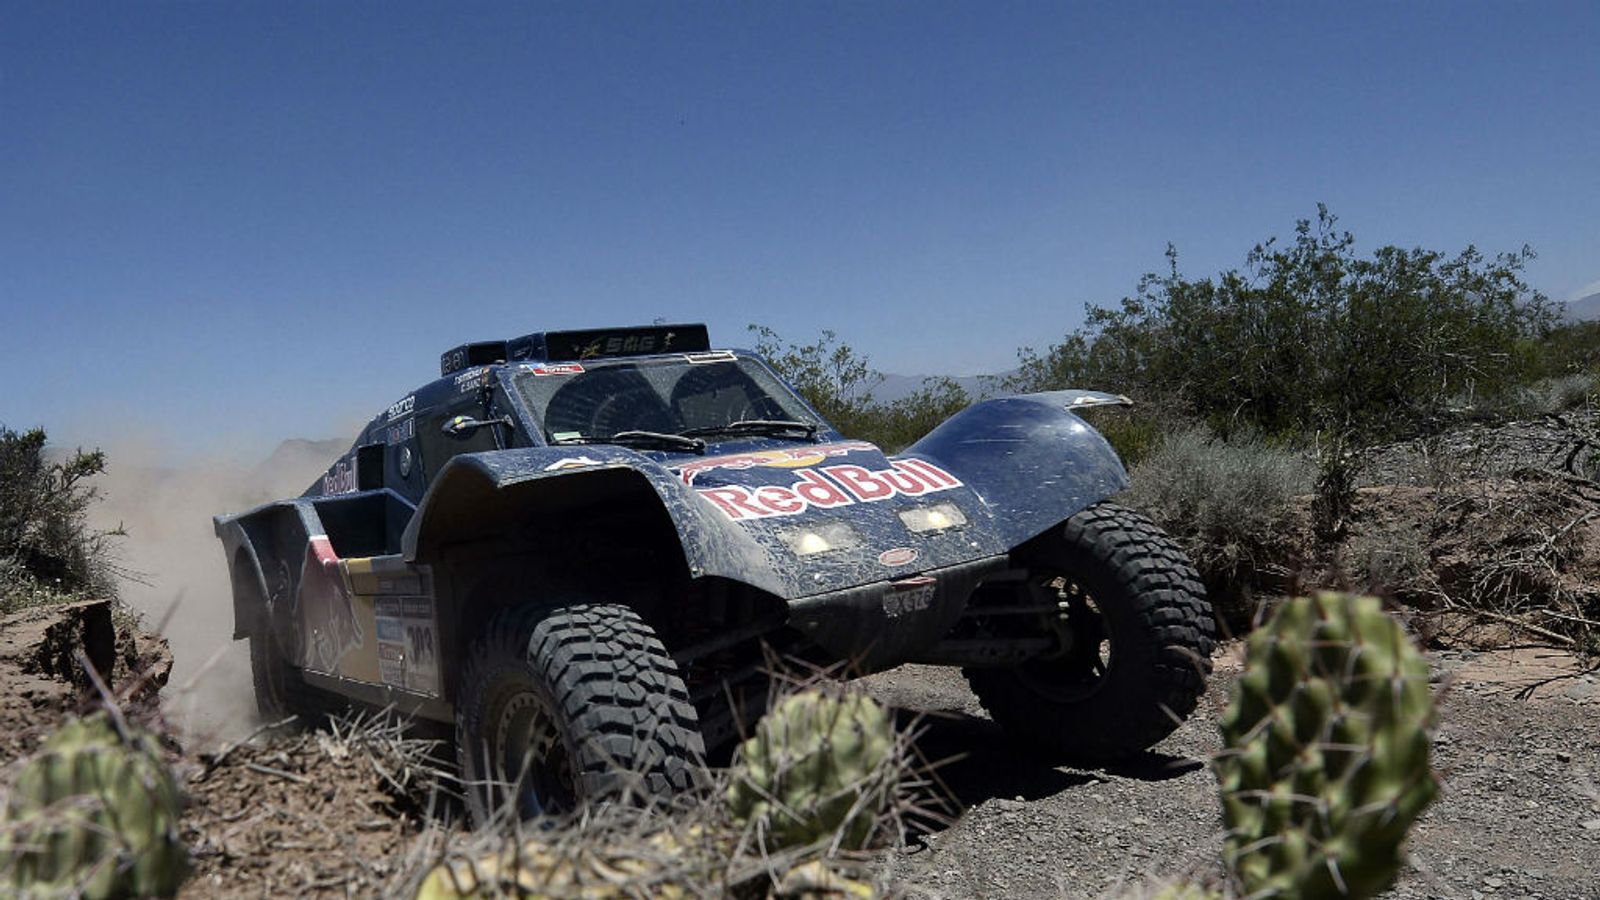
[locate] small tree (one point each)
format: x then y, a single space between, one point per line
1311 337
47 549
838 381
831 375
895 426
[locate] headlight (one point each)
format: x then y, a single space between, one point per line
821 539
933 518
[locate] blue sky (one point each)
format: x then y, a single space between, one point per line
248 221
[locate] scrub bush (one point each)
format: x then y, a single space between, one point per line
48 551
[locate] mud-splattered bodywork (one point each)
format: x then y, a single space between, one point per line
373 579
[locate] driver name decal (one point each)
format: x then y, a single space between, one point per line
829 487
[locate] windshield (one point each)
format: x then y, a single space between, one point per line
669 396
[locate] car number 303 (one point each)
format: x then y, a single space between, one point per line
909 596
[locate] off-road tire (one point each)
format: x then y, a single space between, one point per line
1159 627
609 687
281 689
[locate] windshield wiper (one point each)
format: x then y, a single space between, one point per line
755 426
641 438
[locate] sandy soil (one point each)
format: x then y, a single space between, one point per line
1517 748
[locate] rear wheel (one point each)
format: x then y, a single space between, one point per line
268 671
1132 635
569 705
281 689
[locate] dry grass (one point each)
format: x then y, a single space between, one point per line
690 847
1232 505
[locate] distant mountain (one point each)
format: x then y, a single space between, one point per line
1583 308
294 453
294 464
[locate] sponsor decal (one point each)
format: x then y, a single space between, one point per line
830 487
714 356
795 458
341 479
454 359
575 462
399 434
403 408
620 345
899 556
326 607
908 596
562 369
470 381
408 643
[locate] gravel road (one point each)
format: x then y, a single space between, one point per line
1519 814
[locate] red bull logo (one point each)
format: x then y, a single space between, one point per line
830 487
793 458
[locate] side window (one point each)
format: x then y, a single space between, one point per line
438 447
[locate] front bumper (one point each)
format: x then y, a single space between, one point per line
882 624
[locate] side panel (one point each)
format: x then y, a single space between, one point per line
398 599
1029 457
363 626
479 496
265 549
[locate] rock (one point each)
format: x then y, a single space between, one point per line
1582 691
41 676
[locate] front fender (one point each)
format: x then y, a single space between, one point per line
479 495
1029 458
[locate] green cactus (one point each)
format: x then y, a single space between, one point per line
95 813
1327 739
819 765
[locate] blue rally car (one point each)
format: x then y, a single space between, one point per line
583 549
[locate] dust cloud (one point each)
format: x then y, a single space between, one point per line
178 576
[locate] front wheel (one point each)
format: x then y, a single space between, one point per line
562 706
1132 635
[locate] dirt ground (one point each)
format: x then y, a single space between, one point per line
1517 750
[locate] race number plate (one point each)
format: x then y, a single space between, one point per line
908 595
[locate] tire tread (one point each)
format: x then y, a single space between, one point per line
617 688
1168 601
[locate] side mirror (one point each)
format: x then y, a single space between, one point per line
462 427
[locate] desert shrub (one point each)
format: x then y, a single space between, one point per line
837 381
1389 558
1230 504
828 373
1545 397
1570 347
1136 431
48 552
1310 337
895 426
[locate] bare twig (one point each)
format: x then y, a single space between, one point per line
215 761
1512 620
279 773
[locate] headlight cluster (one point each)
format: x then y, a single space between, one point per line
924 519
829 536
821 539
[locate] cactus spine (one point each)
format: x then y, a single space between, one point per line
818 766
1326 765
95 813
